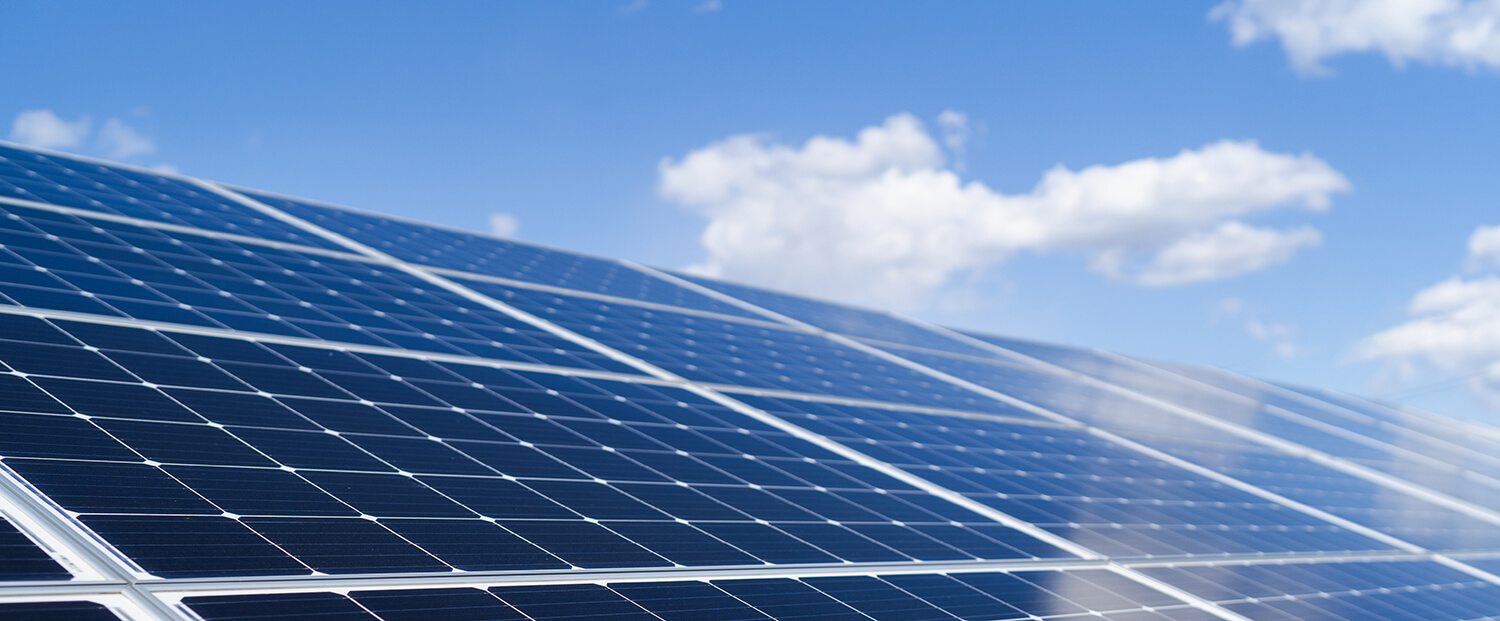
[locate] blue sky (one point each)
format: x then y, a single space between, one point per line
1345 171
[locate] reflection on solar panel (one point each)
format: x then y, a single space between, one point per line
224 404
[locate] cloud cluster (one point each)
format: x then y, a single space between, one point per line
1456 325
504 225
114 140
884 219
1281 337
1464 33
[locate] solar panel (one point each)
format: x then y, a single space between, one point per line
220 403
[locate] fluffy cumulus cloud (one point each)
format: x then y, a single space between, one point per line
504 225
884 218
1455 327
1484 248
43 128
120 141
1463 33
114 139
1230 249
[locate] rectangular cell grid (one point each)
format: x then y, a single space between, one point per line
1419 591
1441 466
68 182
733 352
1104 497
22 559
302 459
846 320
1393 512
464 251
56 611
1093 595
1396 513
61 262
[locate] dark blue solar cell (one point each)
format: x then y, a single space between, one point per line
259 491
57 611
184 443
584 544
603 463
386 495
173 546
98 487
878 599
282 380
347 416
446 604
498 498
116 400
21 559
19 395
120 338
175 370
596 500
768 543
227 349
278 607
45 359
842 542
310 449
343 545
788 599
64 181
473 545
759 504
955 597
237 408
571 602
680 543
446 423
687 601
419 455
35 330
27 435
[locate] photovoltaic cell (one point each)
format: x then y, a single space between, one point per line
61 262
1391 590
56 611
838 318
1022 595
66 182
480 254
21 559
1100 495
727 351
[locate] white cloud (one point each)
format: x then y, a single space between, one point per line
1231 249
634 7
1464 33
955 126
120 141
1227 307
881 219
43 128
504 225
1484 248
1281 336
709 6
114 140
1456 326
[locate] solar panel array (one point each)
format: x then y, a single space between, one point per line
218 403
